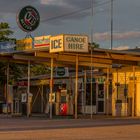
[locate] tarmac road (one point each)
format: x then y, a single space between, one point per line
81 129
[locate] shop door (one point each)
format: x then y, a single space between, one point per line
100 99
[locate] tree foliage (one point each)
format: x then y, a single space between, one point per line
15 71
39 69
5 32
94 45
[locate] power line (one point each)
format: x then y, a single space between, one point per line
75 12
111 23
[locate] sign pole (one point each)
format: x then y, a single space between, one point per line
51 87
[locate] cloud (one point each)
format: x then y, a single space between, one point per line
121 47
53 2
50 9
9 6
117 36
68 3
63 10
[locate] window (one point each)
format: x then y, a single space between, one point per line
88 94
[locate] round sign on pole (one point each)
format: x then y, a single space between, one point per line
28 19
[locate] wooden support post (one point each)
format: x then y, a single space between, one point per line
107 91
42 104
76 87
133 95
7 86
117 83
125 93
85 87
51 88
28 92
91 93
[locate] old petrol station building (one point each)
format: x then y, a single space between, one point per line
87 80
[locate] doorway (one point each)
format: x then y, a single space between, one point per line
100 98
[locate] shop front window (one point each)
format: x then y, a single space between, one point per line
88 94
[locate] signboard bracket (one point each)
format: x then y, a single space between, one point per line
28 35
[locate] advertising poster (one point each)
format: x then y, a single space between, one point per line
8 46
42 42
24 44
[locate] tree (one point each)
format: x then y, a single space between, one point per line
16 71
39 69
94 45
2 73
5 32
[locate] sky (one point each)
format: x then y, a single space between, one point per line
74 17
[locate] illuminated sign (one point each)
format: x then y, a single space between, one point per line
56 43
28 19
42 42
69 43
24 44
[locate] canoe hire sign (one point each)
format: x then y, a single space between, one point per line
69 43
76 43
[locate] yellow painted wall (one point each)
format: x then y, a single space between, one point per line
128 80
138 99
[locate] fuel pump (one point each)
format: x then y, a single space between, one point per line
64 103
